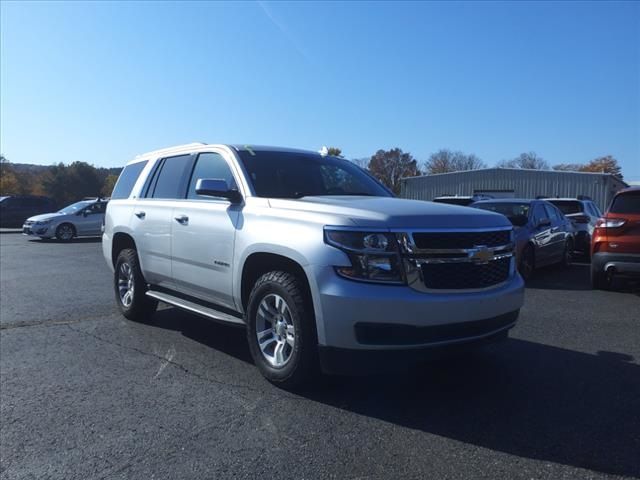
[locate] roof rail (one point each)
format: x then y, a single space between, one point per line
171 149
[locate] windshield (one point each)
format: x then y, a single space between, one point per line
75 207
294 175
515 212
567 206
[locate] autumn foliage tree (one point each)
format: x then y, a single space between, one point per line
389 166
606 164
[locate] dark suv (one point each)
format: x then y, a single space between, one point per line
584 215
15 209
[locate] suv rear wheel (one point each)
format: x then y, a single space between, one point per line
130 287
281 330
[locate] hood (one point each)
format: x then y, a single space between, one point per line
389 212
45 216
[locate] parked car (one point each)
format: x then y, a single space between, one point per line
615 248
80 219
584 214
462 200
320 262
15 209
543 235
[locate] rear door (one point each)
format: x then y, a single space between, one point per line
625 207
560 229
90 222
203 231
153 217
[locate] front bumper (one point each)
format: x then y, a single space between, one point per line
627 264
43 231
344 361
365 316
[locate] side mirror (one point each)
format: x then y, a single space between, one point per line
216 187
544 222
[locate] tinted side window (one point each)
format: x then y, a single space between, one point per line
538 214
171 177
210 165
127 180
552 213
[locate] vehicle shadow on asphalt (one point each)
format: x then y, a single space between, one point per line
575 277
519 397
224 338
49 241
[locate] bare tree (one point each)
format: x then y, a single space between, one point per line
529 161
444 161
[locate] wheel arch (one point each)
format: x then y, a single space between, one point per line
121 240
259 263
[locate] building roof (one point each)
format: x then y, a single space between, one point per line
519 170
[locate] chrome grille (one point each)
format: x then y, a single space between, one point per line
458 260
448 240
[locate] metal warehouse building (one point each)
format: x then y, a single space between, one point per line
511 182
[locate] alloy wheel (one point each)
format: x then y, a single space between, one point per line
275 331
125 284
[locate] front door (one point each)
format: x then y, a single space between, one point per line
203 231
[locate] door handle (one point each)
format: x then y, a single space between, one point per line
182 219
140 215
555 229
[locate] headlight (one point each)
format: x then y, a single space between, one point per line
374 255
43 222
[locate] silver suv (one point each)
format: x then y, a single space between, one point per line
327 270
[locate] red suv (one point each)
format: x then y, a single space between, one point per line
615 247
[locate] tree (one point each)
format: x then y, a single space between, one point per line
67 184
606 164
108 185
335 152
389 166
530 161
9 184
444 161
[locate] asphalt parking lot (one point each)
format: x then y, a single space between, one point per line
86 394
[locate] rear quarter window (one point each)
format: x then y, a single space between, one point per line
127 180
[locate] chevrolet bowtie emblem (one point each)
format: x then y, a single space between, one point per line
480 254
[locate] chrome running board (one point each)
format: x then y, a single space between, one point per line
195 307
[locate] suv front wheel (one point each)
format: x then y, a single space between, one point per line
281 330
130 287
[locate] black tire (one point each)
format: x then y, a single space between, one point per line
600 280
567 256
139 306
527 263
65 232
302 364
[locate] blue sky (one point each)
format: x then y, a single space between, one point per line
101 82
